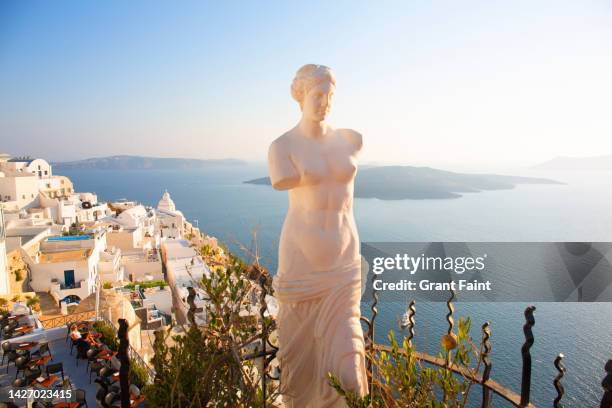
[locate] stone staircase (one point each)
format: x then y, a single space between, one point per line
48 305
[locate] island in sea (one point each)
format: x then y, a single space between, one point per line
125 162
419 183
382 182
577 163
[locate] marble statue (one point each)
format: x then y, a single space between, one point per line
318 284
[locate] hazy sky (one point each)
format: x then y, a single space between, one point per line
467 83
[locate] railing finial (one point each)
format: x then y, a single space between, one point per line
486 360
606 401
557 382
526 355
408 321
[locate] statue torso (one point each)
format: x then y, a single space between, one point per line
319 233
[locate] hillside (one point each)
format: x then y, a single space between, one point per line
140 162
416 183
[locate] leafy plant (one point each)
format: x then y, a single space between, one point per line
33 302
107 285
109 336
400 380
145 285
207 365
138 374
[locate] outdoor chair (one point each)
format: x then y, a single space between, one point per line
31 373
42 349
73 344
11 356
81 353
6 347
19 382
80 397
100 395
134 390
68 326
104 377
92 355
112 399
55 368
21 363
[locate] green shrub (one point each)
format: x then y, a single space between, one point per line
145 285
204 367
400 380
109 337
138 374
32 301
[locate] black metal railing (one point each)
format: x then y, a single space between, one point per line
487 384
266 351
133 354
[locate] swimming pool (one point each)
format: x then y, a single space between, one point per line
70 238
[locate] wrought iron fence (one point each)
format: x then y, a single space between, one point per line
133 354
64 320
487 384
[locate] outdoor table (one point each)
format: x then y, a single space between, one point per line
26 346
66 405
41 361
136 401
24 329
47 382
106 355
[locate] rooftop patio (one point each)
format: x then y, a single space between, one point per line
60 351
59 366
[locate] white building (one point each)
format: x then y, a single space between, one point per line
184 268
133 228
67 266
110 267
170 221
142 265
21 179
4 273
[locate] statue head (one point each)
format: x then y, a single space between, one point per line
313 88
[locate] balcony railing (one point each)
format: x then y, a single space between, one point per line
75 285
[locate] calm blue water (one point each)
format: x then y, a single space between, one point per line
577 211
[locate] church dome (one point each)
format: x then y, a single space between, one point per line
166 203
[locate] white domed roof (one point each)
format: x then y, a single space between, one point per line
166 203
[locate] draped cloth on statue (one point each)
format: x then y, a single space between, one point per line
320 333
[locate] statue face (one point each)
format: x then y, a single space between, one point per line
317 101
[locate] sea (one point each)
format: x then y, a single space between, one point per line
248 218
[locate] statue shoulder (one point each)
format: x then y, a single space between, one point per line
353 137
281 146
282 170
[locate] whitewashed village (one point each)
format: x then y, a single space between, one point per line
65 256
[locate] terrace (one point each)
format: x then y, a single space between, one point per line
52 360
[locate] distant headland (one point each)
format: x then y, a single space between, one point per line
124 162
577 163
419 183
